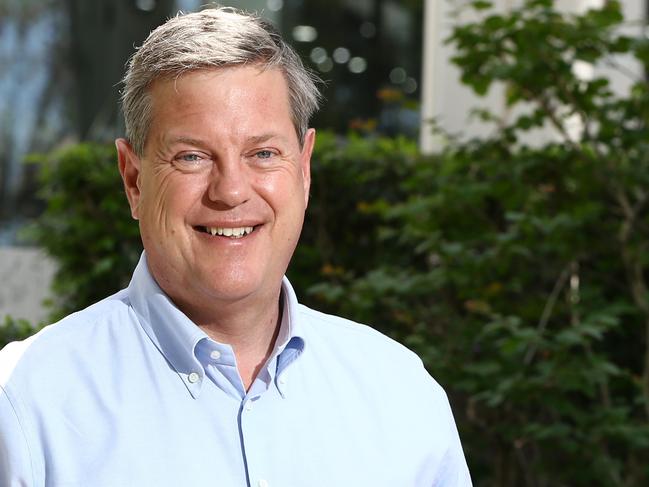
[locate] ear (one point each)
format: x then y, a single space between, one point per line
305 162
129 168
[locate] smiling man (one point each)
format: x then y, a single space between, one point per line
206 370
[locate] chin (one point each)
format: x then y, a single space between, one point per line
229 287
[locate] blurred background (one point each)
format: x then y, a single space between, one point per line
480 193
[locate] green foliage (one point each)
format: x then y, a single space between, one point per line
86 227
351 178
14 329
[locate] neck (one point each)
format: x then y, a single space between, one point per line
251 330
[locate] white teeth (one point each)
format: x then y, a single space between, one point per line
229 231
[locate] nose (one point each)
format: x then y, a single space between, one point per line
229 183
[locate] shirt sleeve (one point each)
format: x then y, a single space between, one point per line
453 471
445 465
15 459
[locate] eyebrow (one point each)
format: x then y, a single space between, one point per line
258 139
186 140
255 139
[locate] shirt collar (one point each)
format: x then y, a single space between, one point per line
170 330
181 341
290 340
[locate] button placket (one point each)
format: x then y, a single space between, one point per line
256 423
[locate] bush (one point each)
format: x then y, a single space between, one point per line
14 329
86 227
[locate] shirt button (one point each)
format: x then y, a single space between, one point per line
193 377
215 355
282 380
249 408
262 483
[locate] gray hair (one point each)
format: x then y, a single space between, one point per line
212 38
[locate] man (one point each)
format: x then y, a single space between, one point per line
206 370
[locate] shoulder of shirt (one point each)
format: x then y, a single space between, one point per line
344 332
75 331
377 360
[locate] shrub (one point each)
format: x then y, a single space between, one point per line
14 329
86 226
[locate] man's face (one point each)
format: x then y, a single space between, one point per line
222 187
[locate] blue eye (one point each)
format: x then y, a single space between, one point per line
190 157
192 161
264 154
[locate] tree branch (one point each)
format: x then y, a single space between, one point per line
547 311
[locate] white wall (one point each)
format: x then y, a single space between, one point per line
25 277
450 103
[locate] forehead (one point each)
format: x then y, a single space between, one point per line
240 97
230 83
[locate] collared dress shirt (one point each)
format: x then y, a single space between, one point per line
130 392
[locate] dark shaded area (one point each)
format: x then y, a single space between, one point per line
369 33
103 36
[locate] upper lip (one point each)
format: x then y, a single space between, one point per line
229 224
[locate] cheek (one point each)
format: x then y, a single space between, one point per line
283 190
167 198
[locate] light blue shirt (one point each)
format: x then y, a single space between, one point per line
130 392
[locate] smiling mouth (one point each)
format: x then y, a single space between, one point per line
231 232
